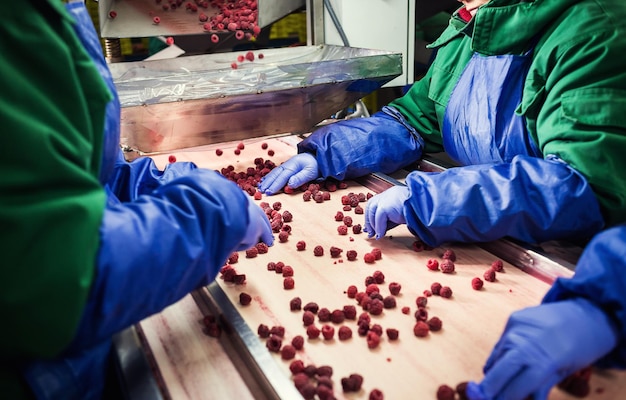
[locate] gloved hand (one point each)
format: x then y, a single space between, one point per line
541 346
385 211
294 172
259 228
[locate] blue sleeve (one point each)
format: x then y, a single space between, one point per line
529 199
600 277
130 180
384 142
159 248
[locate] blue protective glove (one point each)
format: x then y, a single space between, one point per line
259 228
294 172
385 211
541 346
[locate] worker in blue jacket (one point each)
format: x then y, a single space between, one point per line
527 97
580 322
91 244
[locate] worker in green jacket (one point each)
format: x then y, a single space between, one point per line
90 243
528 97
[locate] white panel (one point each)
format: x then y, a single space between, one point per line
377 24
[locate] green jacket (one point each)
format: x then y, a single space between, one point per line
574 99
52 102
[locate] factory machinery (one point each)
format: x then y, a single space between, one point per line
260 103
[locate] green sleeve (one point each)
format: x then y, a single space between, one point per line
52 102
579 109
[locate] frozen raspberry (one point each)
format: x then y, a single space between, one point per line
323 315
283 236
378 254
252 252
347 220
337 316
287 271
352 383
349 312
274 343
435 288
278 331
497 265
434 324
262 248
308 318
352 291
244 299
297 342
335 251
358 210
263 331
406 310
342 230
328 332
344 333
379 277
356 229
418 246
421 329
278 267
421 301
318 251
311 306
369 258
288 352
295 304
445 392
300 380
301 245
376 394
490 275
447 267
233 258
287 216
432 264
477 283
372 288
289 283
445 292
339 216
296 366
449 254
373 339
376 328
376 307
351 255
389 302
392 333
312 332
394 288
461 389
421 314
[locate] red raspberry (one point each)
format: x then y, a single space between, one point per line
318 251
372 288
432 264
351 255
297 342
301 245
434 324
497 266
379 277
378 254
244 299
421 301
296 366
477 283
263 331
323 315
392 333
449 254
312 332
339 216
447 267
421 314
490 275
288 352
406 310
289 283
171 159
394 288
344 333
435 288
369 258
295 304
445 292
389 302
349 312
421 329
445 392
373 339
352 291
328 332
342 230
